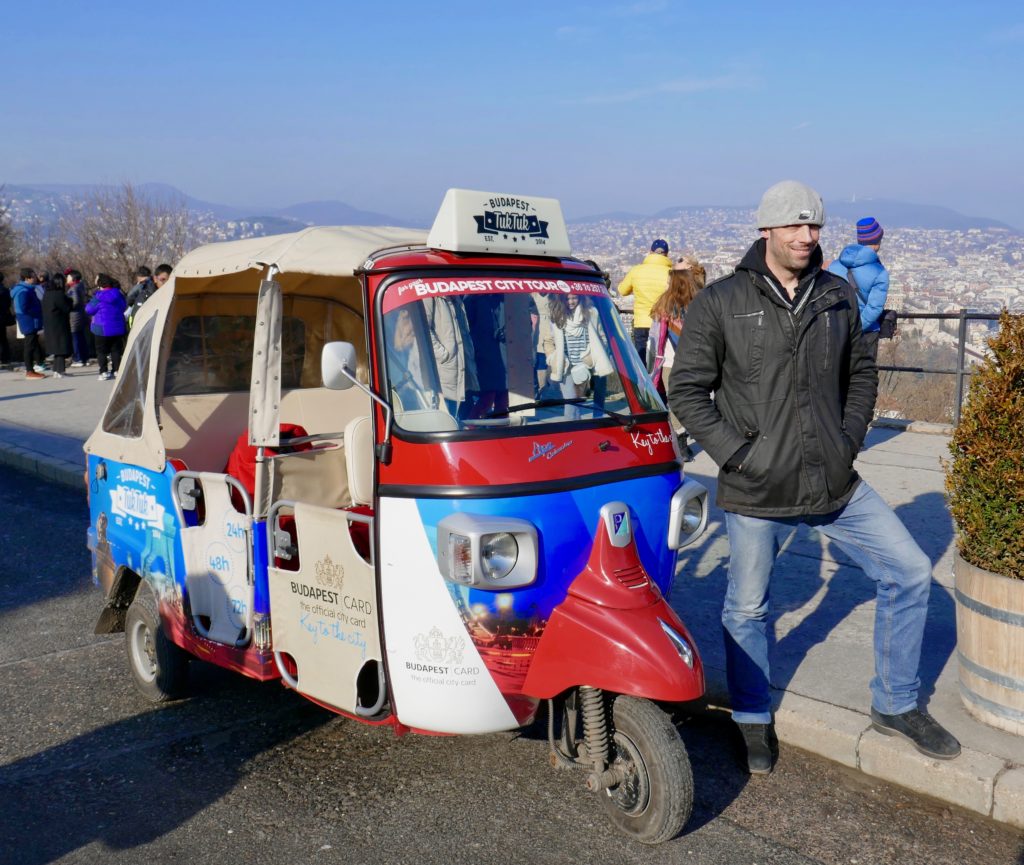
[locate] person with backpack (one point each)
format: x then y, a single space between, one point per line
860 265
143 289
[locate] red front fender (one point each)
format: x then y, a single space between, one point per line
623 651
608 634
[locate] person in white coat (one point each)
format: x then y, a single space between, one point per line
576 353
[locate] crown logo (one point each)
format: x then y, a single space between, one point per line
435 648
328 573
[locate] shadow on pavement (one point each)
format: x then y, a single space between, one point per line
713 744
880 435
33 393
130 782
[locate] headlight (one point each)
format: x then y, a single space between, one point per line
493 553
498 555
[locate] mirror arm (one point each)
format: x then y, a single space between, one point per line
384 448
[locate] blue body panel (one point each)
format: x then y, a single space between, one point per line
566 522
134 524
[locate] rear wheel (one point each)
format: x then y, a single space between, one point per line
159 667
654 801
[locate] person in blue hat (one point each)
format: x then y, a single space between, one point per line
860 265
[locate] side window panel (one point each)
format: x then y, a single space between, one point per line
212 339
213 354
127 404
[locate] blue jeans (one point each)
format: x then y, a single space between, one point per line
871 534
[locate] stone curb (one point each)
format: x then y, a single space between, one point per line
976 781
42 465
915 426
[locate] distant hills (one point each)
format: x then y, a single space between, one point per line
894 214
42 203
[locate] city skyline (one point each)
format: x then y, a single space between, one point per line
606 106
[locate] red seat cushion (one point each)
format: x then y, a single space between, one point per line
242 461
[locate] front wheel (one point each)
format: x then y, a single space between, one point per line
159 667
655 798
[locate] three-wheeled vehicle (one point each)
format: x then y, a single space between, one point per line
424 480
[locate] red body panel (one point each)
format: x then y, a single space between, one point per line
247 661
607 634
514 460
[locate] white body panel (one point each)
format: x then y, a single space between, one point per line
438 680
325 614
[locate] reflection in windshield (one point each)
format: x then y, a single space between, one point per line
458 360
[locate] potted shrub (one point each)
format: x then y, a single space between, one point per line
985 483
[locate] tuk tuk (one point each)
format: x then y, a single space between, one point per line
423 479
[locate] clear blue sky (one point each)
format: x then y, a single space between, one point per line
607 106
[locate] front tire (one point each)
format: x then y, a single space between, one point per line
159 667
655 800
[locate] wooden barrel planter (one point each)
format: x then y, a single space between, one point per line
990 645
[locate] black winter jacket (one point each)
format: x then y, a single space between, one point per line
798 386
56 321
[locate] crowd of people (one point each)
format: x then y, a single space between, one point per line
65 323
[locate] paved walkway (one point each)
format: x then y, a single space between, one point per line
824 607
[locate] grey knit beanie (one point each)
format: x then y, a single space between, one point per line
790 203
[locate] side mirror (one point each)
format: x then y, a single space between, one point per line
338 365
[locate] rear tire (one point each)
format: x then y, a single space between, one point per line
655 801
159 667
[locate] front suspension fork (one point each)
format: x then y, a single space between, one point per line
595 751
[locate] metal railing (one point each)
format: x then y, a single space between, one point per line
961 371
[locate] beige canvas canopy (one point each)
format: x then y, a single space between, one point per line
320 251
316 263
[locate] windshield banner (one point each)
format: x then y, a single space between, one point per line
416 289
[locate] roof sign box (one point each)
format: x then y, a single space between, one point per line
471 221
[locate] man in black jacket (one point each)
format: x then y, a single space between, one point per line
779 344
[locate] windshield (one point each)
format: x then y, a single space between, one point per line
471 353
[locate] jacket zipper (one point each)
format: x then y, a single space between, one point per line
828 337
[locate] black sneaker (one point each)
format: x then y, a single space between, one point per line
921 730
760 743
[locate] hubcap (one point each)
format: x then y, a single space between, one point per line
634 793
143 651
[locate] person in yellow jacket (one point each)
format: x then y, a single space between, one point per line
647 282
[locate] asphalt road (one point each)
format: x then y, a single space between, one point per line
248 772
